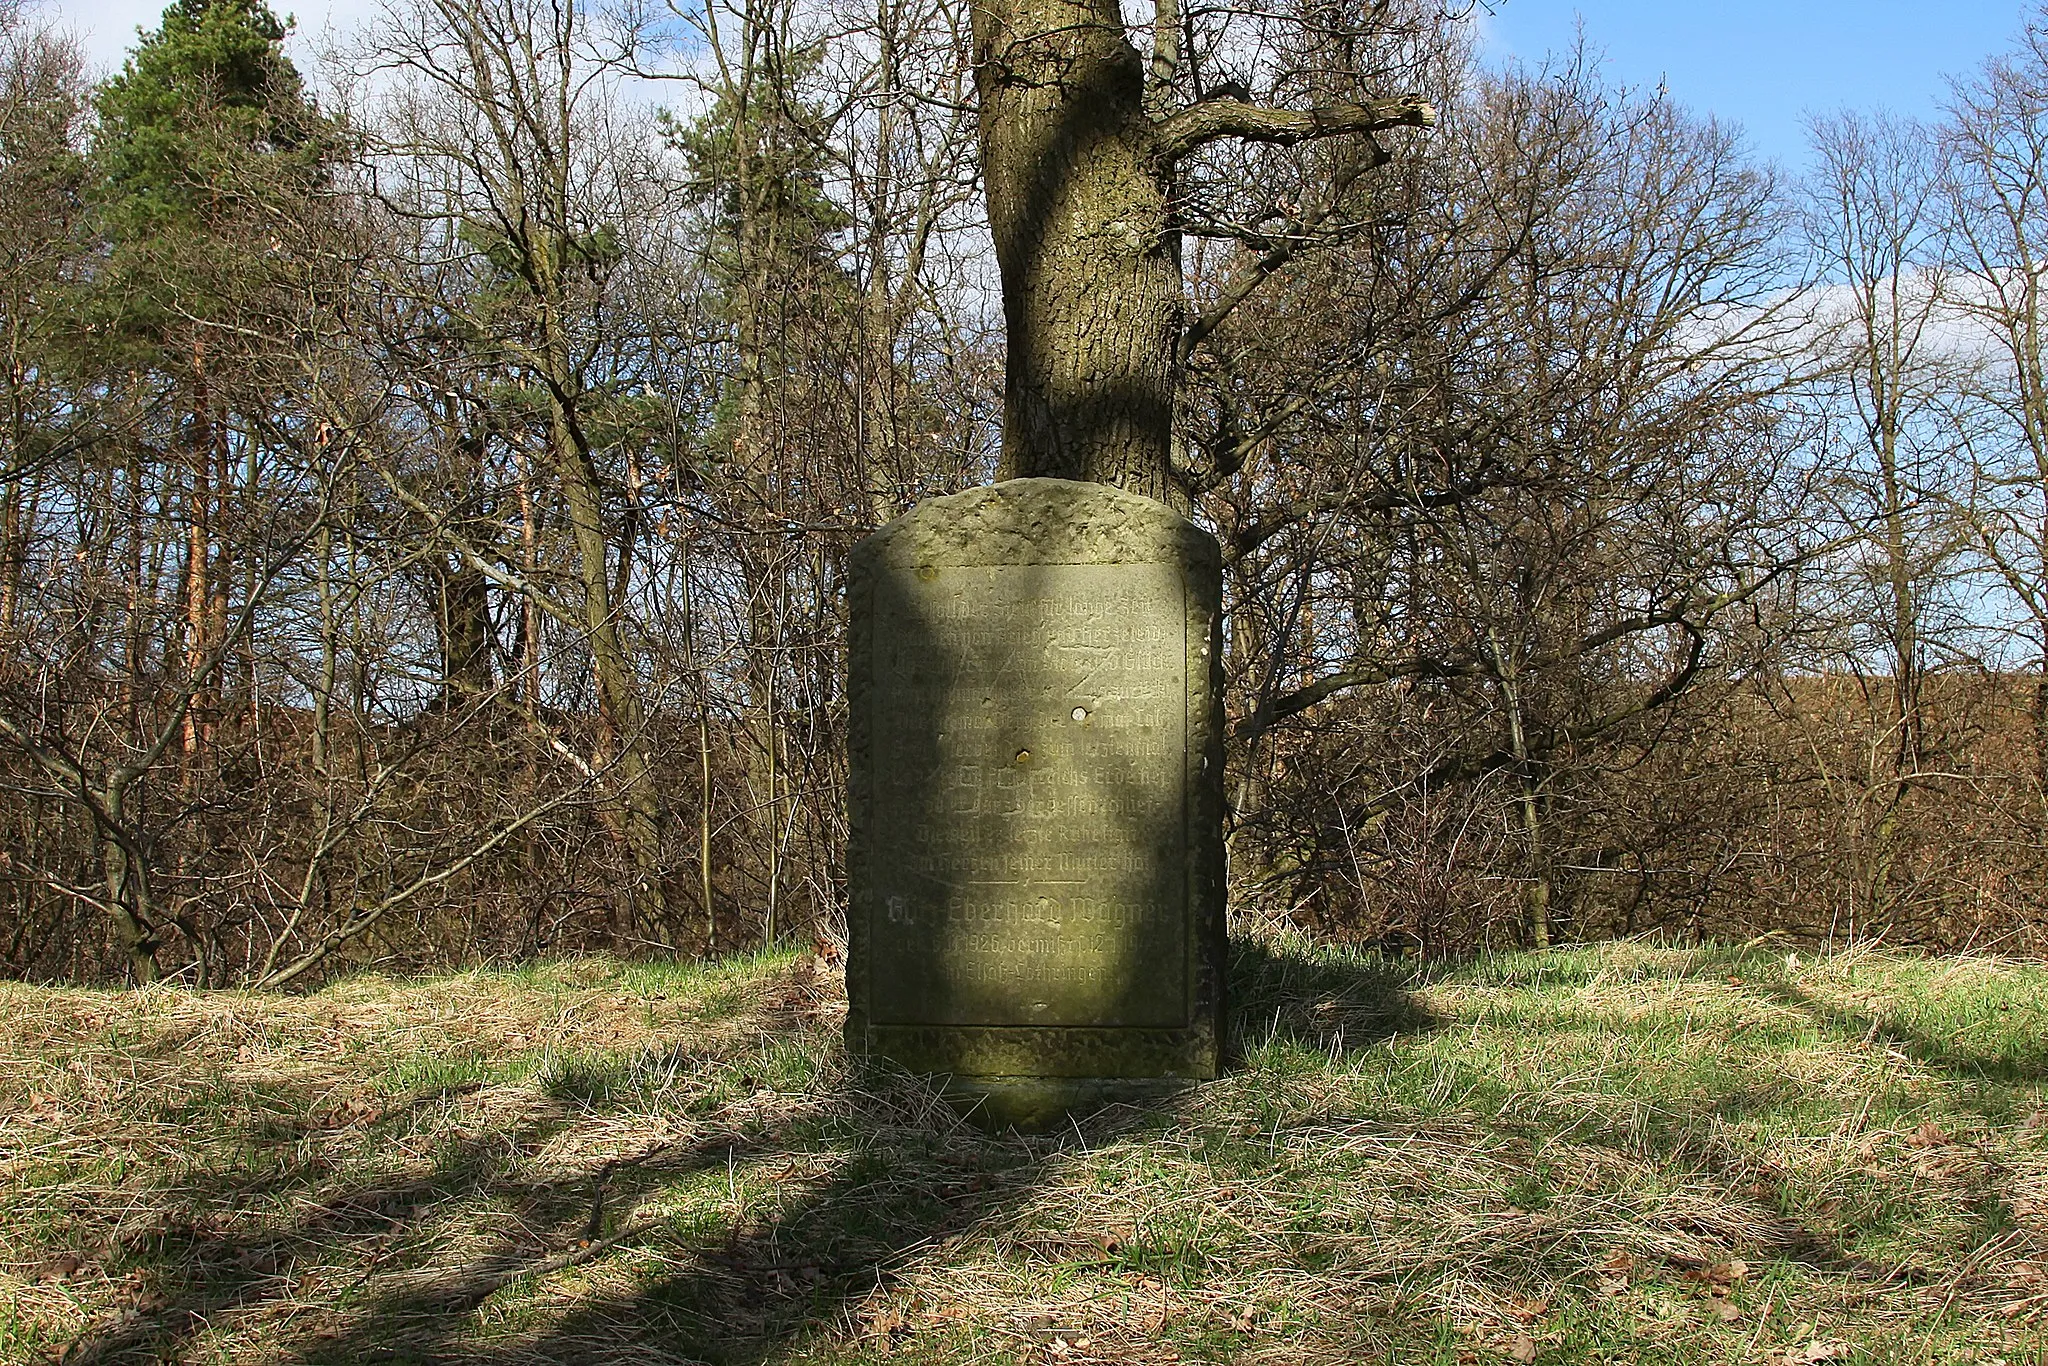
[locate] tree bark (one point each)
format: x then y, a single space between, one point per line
1078 193
198 552
1080 180
462 608
618 692
127 883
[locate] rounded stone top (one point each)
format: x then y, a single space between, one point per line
1040 521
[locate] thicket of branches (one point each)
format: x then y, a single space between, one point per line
424 503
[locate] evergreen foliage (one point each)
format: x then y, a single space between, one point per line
203 135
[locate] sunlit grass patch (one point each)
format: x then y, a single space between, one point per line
1629 1153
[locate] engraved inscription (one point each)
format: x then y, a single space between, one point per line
1028 751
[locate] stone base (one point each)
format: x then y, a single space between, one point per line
1037 1105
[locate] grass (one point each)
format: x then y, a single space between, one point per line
1626 1153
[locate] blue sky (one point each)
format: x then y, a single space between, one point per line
1764 65
1757 62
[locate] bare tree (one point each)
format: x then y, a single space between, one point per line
505 145
1995 140
1512 500
1878 227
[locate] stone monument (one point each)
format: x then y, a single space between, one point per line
1035 796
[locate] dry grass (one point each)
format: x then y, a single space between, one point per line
1623 1153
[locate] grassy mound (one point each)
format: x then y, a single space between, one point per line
1621 1153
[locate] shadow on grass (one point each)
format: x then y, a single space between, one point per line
869 1178
1323 1000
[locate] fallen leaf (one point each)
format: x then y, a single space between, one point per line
1720 1275
59 1268
260 1261
2036 1120
886 1324
1529 1311
1723 1311
1934 1167
1522 1349
1611 1276
1809 1354
1928 1135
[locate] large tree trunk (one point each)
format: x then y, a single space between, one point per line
461 597
127 882
623 718
1078 157
198 553
1078 192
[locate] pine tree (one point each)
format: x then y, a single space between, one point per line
207 145
205 130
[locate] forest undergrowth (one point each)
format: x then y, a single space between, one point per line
1630 1153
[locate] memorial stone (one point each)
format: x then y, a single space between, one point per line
1035 794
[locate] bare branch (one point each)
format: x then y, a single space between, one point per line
1200 124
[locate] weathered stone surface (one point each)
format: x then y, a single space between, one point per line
1035 794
